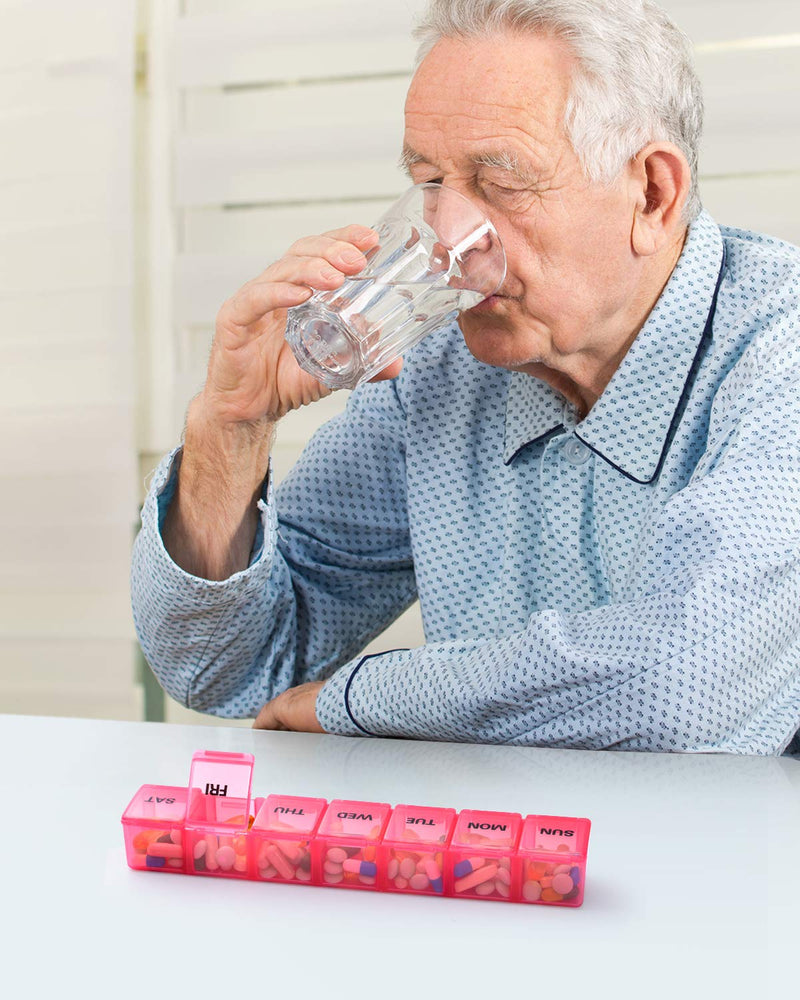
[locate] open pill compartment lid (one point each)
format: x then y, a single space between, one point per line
219 788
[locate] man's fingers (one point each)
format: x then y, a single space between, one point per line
252 302
390 371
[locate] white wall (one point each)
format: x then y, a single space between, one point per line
68 496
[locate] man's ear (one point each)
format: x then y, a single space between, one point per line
660 179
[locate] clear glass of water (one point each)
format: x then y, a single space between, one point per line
438 255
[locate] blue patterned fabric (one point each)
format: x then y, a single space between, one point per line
628 581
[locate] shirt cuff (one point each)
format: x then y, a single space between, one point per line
343 708
171 577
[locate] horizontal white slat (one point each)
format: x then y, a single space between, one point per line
267 233
68 317
64 382
48 145
63 257
352 106
289 165
79 556
70 701
78 34
45 608
78 199
762 204
298 41
85 441
67 501
105 664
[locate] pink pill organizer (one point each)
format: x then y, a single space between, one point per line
213 827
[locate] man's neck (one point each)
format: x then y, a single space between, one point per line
584 387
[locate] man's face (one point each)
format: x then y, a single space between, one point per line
479 106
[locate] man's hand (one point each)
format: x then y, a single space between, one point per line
293 710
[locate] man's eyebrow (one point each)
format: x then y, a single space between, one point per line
504 159
408 158
501 159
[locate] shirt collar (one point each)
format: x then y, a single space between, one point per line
630 424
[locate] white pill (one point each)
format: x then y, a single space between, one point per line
419 881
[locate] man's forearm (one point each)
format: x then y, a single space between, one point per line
211 522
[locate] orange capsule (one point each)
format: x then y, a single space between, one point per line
240 845
369 853
551 896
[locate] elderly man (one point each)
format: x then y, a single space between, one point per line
592 483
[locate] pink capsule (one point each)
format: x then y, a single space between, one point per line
279 862
157 849
432 870
476 878
292 852
211 853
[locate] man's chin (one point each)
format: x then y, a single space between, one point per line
489 342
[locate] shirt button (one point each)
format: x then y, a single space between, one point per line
575 452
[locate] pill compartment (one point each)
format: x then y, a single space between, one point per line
345 850
219 814
481 861
411 856
153 828
552 855
281 837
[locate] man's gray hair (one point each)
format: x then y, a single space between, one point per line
634 81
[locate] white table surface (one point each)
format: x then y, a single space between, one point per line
692 888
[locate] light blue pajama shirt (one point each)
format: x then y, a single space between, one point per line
630 581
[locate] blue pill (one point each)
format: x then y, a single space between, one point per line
436 885
462 868
368 868
155 862
575 874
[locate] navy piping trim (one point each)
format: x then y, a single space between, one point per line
542 437
702 347
361 662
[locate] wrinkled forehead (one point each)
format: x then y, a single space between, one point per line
476 90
